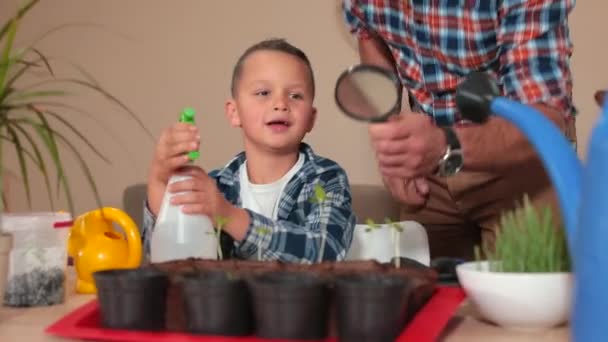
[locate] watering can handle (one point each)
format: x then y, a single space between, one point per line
131 233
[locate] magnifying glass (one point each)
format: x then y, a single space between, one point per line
368 93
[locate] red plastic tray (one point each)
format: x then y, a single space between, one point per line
83 323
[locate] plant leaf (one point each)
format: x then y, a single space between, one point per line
100 91
39 160
320 193
92 80
6 54
19 150
58 28
371 224
28 65
45 60
46 134
221 221
76 110
263 230
22 11
34 94
75 131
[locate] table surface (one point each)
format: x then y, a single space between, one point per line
28 324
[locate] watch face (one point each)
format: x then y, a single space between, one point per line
452 164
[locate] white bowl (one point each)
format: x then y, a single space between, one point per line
517 300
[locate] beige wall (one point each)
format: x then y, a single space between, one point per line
160 55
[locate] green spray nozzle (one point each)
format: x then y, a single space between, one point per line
187 116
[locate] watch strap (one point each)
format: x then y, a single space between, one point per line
451 138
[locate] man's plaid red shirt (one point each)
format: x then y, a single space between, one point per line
525 44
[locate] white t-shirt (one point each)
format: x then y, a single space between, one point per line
264 198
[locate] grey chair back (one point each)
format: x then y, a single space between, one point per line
133 198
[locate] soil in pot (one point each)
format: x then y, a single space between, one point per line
371 307
132 298
407 263
290 305
217 303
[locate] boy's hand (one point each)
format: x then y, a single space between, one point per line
171 153
203 197
201 194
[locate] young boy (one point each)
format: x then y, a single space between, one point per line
272 183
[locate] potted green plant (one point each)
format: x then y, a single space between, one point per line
32 115
525 281
34 121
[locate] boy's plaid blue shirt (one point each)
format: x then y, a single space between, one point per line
297 233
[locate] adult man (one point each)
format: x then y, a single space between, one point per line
433 45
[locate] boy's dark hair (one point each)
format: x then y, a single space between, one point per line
274 44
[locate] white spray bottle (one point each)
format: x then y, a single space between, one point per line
177 235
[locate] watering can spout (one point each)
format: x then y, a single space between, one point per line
478 96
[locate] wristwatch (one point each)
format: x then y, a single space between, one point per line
452 160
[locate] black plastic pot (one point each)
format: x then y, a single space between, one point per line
132 299
370 307
217 303
420 291
291 306
407 262
446 268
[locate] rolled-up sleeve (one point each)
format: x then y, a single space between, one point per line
146 230
353 12
535 53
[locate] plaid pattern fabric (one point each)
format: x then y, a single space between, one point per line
525 44
296 235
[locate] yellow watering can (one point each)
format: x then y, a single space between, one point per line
95 245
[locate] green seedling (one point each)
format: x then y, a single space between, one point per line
262 231
396 230
371 225
319 198
220 222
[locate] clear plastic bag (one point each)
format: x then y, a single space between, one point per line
38 258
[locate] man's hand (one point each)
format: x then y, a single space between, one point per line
411 192
407 146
